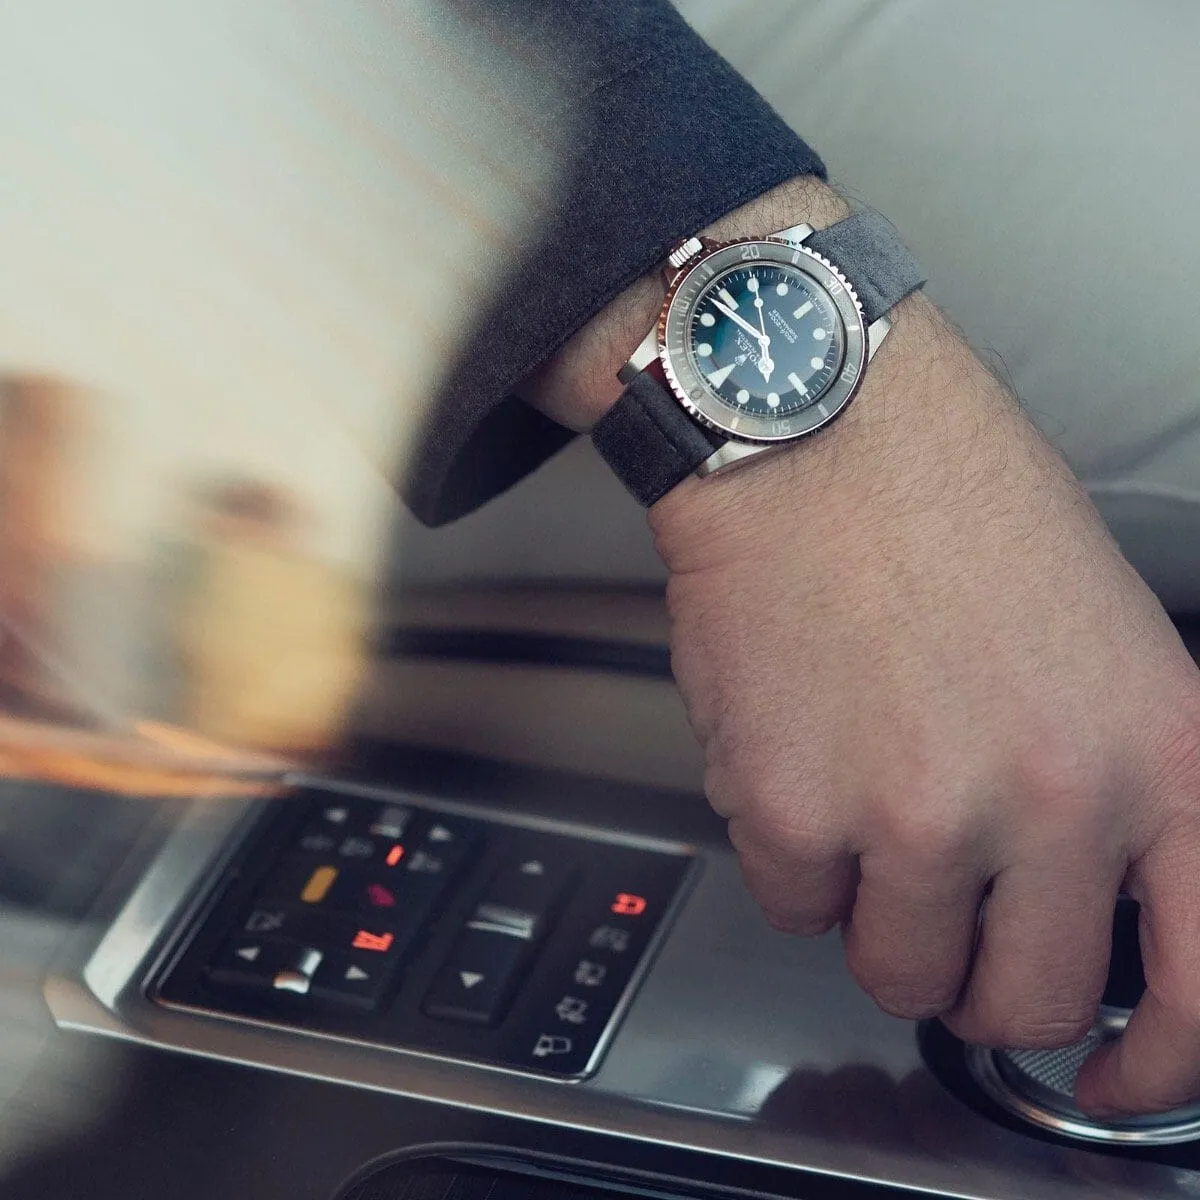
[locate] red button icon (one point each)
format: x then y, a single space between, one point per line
628 905
379 896
364 939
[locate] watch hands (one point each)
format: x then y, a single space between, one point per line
766 364
738 320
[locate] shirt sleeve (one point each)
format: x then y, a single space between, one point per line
664 136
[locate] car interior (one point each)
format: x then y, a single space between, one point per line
421 896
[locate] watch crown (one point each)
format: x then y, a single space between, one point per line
684 251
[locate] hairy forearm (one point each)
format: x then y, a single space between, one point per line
929 420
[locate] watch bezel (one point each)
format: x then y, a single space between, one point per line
693 392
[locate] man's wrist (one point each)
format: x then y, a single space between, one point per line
579 384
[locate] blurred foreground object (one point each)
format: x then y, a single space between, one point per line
272 639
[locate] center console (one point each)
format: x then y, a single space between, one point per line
577 955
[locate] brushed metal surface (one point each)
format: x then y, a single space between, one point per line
742 1043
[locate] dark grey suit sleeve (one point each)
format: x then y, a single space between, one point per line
664 137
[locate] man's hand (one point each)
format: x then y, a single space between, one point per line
939 708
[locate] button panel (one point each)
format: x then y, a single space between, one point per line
396 923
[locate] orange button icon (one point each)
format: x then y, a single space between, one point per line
628 905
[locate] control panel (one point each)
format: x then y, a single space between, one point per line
400 923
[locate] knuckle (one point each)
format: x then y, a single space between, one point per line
911 994
1034 1029
936 825
1178 760
912 1001
801 924
1062 778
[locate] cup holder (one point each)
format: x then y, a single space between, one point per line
1034 1090
1038 1086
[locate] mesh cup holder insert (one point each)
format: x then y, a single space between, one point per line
1039 1086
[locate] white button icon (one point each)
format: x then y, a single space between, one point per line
357 847
549 1044
608 938
424 864
337 816
533 867
439 833
392 823
572 1010
356 974
249 953
590 974
264 920
470 979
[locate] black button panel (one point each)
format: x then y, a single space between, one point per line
460 936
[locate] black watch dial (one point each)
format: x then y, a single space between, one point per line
767 339
762 340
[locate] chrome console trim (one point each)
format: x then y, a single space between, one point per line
740 1043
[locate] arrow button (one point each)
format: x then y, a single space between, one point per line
360 981
477 983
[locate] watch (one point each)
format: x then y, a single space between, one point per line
760 342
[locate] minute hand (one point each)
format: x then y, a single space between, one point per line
754 333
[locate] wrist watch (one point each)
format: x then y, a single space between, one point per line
760 342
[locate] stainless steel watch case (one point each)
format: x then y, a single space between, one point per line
689 268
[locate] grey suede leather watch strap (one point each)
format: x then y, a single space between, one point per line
869 252
648 438
649 441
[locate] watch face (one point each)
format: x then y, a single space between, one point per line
766 345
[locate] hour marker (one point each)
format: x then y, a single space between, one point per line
704 349
806 307
719 376
773 399
752 283
707 319
816 363
727 297
742 396
797 383
822 410
820 334
781 289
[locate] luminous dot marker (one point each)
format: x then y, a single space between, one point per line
797 383
781 289
727 298
707 319
806 307
719 376
820 334
817 363
773 399
704 349
752 283
742 396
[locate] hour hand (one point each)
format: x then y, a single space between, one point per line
754 333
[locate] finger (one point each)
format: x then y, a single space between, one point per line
910 937
1042 953
806 890
1155 1065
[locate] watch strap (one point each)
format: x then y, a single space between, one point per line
868 251
649 441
